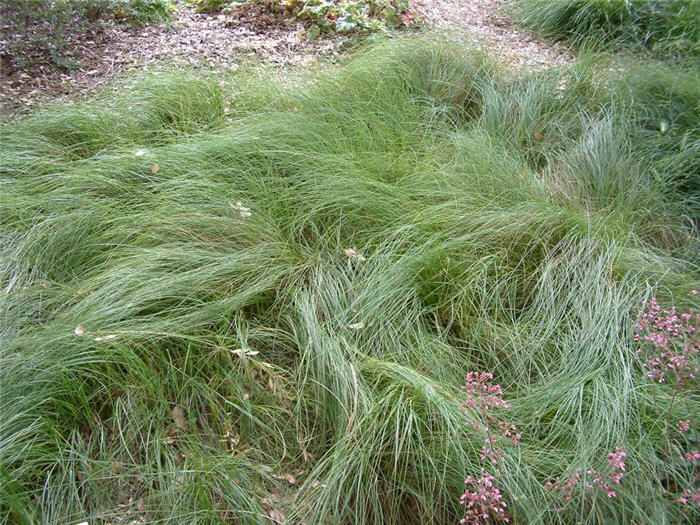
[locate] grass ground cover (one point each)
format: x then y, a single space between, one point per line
248 301
668 28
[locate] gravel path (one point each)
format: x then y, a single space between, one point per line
223 41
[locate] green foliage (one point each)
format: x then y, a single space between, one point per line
353 16
667 27
335 16
226 299
140 12
210 6
41 31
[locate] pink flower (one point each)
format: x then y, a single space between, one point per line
683 426
690 496
616 465
566 485
484 397
691 457
669 342
482 500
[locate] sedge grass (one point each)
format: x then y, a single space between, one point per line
664 28
414 214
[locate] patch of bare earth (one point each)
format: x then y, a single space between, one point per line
224 40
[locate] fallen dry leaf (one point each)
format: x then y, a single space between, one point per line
353 254
105 338
179 418
244 351
276 516
287 477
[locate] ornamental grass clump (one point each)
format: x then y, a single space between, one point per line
226 299
667 28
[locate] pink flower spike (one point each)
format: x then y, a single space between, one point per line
483 500
668 343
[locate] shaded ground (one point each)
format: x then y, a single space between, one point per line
191 38
223 41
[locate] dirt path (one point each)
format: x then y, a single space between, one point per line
487 21
223 41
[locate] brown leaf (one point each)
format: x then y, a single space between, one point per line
105 338
179 418
155 168
244 351
276 516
